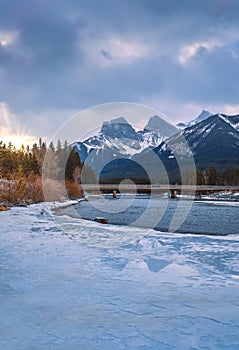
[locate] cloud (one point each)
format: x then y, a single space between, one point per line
113 50
62 56
189 51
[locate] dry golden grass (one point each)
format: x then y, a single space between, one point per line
32 190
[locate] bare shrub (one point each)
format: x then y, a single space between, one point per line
30 190
73 189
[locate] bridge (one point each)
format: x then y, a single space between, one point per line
154 189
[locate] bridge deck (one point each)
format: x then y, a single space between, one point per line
157 188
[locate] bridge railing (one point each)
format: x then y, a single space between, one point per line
157 188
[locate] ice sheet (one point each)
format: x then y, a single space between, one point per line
93 286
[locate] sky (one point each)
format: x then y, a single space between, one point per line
58 58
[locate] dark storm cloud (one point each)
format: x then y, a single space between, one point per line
217 9
73 54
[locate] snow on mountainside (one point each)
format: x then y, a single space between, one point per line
214 140
233 120
202 116
118 128
117 139
155 132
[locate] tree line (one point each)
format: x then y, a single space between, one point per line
21 171
213 176
210 176
14 161
31 161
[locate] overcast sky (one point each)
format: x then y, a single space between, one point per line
58 57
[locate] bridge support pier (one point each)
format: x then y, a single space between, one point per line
174 194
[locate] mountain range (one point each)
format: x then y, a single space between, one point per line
118 139
119 151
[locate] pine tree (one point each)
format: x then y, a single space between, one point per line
211 175
200 177
72 163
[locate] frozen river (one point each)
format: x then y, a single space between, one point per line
73 284
205 217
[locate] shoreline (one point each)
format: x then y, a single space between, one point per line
232 197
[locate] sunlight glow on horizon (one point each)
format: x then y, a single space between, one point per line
18 140
11 131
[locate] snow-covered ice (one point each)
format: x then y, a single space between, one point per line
75 284
227 196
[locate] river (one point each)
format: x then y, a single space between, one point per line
199 217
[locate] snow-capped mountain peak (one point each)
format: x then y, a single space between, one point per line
202 116
117 138
214 140
118 128
160 126
153 124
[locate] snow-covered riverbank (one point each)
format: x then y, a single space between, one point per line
77 284
225 196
